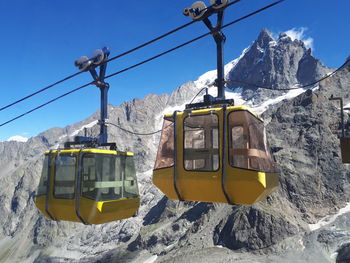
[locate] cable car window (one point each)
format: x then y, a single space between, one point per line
102 177
88 175
130 184
165 154
65 176
201 141
119 176
43 179
194 139
239 146
258 140
249 148
215 136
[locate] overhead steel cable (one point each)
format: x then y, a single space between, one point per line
154 132
253 13
144 61
41 90
162 36
134 133
46 103
111 59
193 40
294 88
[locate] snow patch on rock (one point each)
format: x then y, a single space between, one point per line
329 219
17 138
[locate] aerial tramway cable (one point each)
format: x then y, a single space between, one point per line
110 59
39 91
143 62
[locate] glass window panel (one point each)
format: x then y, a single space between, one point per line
119 174
215 137
115 177
239 145
65 176
165 154
131 188
248 145
88 174
102 177
239 141
43 179
201 143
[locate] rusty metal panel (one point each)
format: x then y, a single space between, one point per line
345 149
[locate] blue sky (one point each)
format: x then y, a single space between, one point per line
40 40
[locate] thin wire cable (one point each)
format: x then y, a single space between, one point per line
197 95
253 13
193 40
157 56
46 103
135 133
41 90
300 87
150 133
111 59
142 62
163 36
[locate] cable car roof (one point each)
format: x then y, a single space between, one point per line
169 116
76 150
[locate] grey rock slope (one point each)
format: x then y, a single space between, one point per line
295 224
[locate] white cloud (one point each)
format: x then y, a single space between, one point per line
17 138
299 33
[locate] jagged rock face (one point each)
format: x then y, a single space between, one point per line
248 228
312 175
281 62
313 181
275 63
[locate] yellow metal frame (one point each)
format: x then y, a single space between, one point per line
242 186
90 151
93 212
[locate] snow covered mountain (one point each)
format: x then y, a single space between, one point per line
306 220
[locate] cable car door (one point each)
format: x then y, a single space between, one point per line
198 155
62 199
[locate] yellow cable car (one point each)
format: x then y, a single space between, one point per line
88 184
214 151
91 186
217 154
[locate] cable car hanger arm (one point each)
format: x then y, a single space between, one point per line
140 63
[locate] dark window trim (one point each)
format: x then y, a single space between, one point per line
163 168
183 142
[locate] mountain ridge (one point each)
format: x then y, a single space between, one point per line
297 128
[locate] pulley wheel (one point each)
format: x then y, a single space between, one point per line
198 9
216 4
83 63
97 57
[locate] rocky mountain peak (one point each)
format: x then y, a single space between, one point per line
264 38
278 64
